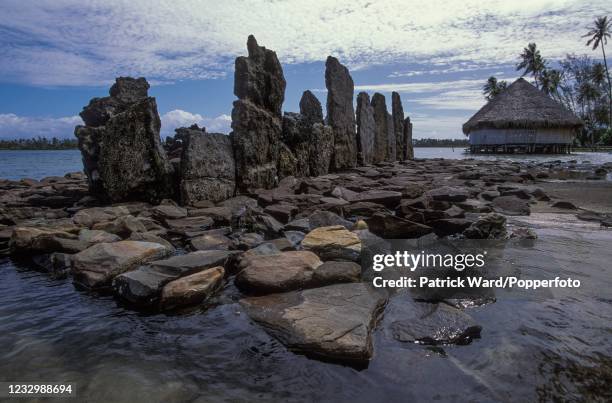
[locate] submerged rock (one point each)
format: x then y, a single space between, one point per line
490 226
333 322
192 289
393 227
511 205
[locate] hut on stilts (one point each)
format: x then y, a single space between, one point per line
522 119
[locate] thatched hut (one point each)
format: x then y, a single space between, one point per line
522 119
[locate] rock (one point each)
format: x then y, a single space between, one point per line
490 226
511 205
211 242
164 211
397 113
363 209
490 194
336 272
448 193
333 243
150 237
208 169
123 226
143 286
220 215
301 224
434 324
393 227
295 237
39 240
262 223
366 127
565 205
408 139
190 226
310 107
96 266
322 149
256 117
387 198
326 219
192 289
340 114
391 142
379 106
450 226
524 233
249 240
282 212
121 148
90 216
97 236
333 322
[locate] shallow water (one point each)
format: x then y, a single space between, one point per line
534 344
40 163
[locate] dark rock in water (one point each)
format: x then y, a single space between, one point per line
450 226
366 127
192 289
511 205
310 108
397 112
333 322
524 233
408 139
340 114
565 205
434 324
490 226
121 148
259 84
393 227
379 106
208 170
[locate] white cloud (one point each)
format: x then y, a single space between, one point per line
13 126
69 42
180 118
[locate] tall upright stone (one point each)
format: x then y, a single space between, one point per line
391 142
366 128
310 107
408 139
208 169
381 133
259 84
122 153
397 111
341 114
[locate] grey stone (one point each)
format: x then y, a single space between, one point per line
379 106
366 127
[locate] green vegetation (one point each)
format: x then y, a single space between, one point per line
440 143
39 143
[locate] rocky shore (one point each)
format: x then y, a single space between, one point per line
288 208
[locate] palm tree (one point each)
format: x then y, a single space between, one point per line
599 34
550 80
493 88
532 62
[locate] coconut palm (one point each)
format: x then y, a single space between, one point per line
532 62
599 34
493 88
550 80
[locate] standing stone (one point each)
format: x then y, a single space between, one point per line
340 114
322 149
408 139
208 170
256 118
366 128
120 145
381 135
310 107
397 111
391 145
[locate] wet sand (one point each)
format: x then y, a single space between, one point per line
588 195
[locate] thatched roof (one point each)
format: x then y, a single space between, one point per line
522 106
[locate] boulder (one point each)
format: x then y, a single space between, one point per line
96 266
449 226
171 211
340 114
333 243
511 205
489 226
208 169
282 212
97 236
90 216
325 219
189 226
449 194
42 240
123 226
366 127
392 227
192 289
565 205
259 85
333 322
122 153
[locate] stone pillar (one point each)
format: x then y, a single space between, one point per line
397 111
341 114
366 128
408 139
381 133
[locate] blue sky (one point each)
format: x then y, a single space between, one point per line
55 55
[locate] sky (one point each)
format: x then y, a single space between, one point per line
56 55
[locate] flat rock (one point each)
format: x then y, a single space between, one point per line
449 193
189 226
333 322
326 219
393 227
333 243
97 236
511 205
193 289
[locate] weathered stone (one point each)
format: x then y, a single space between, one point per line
565 205
449 226
387 198
524 233
511 205
123 226
449 193
41 240
490 226
164 211
397 112
151 237
249 240
333 243
366 127
408 139
391 142
211 242
208 169
379 106
326 219
334 322
322 148
340 114
189 226
220 215
97 265
393 227
90 216
282 212
192 289
97 236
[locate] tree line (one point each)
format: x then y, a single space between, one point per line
440 142
580 83
38 143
